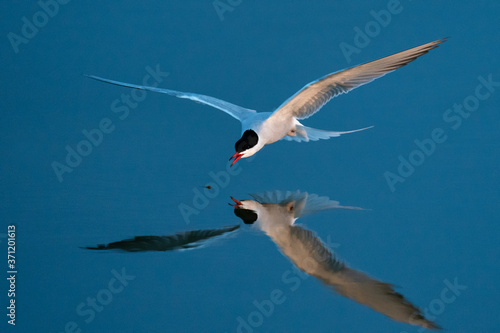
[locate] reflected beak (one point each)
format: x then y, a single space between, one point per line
237 203
236 157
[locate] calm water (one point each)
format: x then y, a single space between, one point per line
426 174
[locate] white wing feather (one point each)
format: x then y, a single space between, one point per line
233 110
306 203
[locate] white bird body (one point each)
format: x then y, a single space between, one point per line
267 128
263 128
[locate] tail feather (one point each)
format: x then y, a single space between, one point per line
304 133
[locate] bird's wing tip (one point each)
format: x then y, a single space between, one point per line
439 41
91 76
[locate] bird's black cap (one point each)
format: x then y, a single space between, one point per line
247 141
248 216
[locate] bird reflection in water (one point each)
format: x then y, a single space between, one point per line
275 214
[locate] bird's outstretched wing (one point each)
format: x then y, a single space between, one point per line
233 110
314 95
180 241
305 203
313 257
379 296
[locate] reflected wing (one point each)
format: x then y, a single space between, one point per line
233 110
306 203
180 241
379 296
278 197
313 257
314 95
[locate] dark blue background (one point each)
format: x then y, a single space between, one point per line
439 224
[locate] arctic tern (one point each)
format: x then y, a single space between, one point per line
263 128
275 214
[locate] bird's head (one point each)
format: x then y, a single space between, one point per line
246 146
246 210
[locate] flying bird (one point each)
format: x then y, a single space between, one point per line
275 214
262 128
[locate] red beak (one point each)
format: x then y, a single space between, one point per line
236 157
238 203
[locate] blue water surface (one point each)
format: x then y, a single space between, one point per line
427 173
